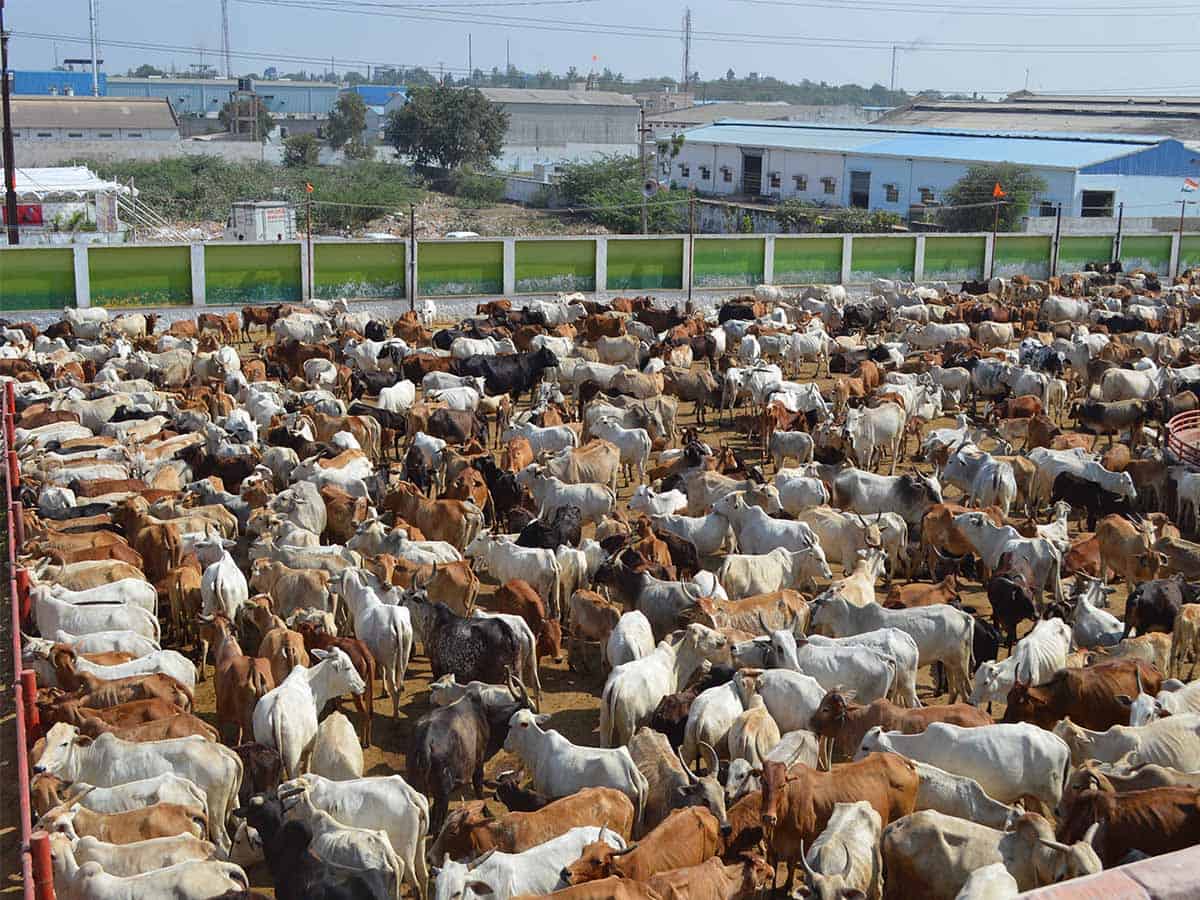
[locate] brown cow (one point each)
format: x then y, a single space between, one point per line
473 828
284 649
797 802
919 594
240 681
343 513
453 521
454 584
177 726
941 537
650 546
1126 549
779 609
845 722
714 880
1088 696
1155 821
1027 406
158 820
1083 556
470 485
158 541
519 599
687 837
58 707
592 617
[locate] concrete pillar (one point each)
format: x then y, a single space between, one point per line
688 276
989 256
199 280
410 275
1176 250
919 260
847 258
768 259
306 287
601 266
509 284
83 280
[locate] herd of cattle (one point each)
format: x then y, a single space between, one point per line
304 516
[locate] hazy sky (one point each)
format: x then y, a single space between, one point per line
969 45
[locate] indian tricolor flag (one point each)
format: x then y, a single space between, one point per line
1191 184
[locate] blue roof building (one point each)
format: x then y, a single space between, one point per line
206 96
893 167
379 94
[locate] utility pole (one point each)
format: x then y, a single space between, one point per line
10 166
691 249
470 60
642 158
1116 254
1182 203
412 256
92 14
225 48
507 56
893 81
687 50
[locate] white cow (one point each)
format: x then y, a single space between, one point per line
506 561
710 533
713 713
656 503
559 768
757 532
984 480
868 674
992 541
190 880
1173 742
844 860
336 753
1008 761
136 858
1051 463
553 439
385 627
634 444
1042 652
958 795
165 788
595 501
107 761
744 575
633 690
286 718
631 638
53 615
126 590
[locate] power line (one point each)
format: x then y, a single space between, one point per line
939 9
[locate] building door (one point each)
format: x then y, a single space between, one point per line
751 173
860 190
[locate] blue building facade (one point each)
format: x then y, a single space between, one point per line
56 84
206 96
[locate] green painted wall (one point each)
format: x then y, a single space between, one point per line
140 276
954 258
551 266
1022 255
1074 251
645 265
728 262
806 260
1189 252
882 257
353 270
1151 252
460 267
252 273
42 278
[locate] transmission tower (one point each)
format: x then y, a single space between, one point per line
225 38
687 50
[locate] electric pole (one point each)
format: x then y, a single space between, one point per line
10 166
470 60
225 38
642 159
893 82
687 50
92 15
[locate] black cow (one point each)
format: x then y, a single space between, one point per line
862 317
458 426
262 766
1153 605
1119 323
371 383
451 744
563 529
514 374
375 331
516 798
1081 493
484 649
743 312
1011 596
974 288
296 872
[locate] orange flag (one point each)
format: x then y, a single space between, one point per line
998 191
309 188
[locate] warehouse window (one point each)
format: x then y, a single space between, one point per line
685 170
44 134
776 180
105 134
892 192
726 174
1046 209
1098 204
134 134
926 194
801 182
75 134
830 185
705 173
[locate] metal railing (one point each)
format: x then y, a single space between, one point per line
1183 437
36 874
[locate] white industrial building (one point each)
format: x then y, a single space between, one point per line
894 168
76 118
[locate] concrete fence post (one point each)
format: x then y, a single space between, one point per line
847 258
1173 268
83 278
306 285
768 259
199 277
989 255
601 266
919 259
509 283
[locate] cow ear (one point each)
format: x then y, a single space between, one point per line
542 719
82 740
318 654
480 888
1124 700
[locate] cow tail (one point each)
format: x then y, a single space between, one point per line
1056 574
556 590
399 663
277 733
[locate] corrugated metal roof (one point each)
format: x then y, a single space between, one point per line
564 98
379 94
92 112
1065 151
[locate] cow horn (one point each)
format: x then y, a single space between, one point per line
1089 836
1137 674
693 778
808 870
1055 845
762 623
846 868
711 762
628 849
479 861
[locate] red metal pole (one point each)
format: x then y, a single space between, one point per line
21 579
43 867
33 719
14 470
18 521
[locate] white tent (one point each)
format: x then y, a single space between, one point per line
61 182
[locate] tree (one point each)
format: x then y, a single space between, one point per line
451 127
301 150
973 194
347 120
265 123
145 71
611 190
352 78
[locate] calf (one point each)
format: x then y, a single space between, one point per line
158 820
1089 697
687 837
1010 595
